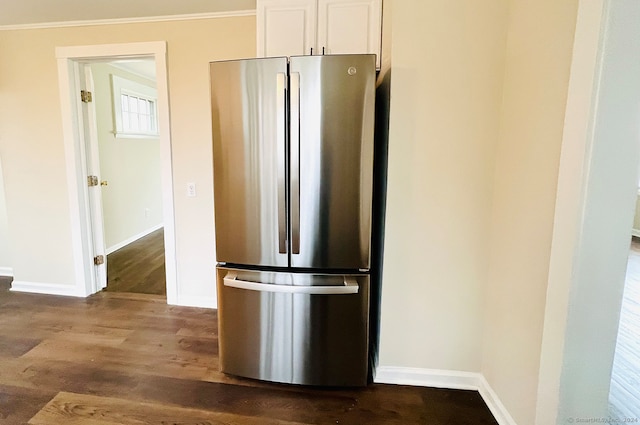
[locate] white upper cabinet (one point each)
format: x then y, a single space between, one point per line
295 27
286 27
350 26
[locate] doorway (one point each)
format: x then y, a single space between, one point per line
624 393
124 104
597 184
72 62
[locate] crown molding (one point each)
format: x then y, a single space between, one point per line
186 17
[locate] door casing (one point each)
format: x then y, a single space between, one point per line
70 60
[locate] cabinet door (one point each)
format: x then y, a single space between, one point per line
285 27
350 26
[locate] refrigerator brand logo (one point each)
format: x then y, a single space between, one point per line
352 70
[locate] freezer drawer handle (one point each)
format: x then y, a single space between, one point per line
350 286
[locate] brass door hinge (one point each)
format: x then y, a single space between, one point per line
85 96
92 181
98 260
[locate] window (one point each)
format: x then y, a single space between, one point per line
134 107
138 114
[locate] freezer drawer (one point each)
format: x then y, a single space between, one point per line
294 328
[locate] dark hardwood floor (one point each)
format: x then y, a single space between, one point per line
122 358
139 266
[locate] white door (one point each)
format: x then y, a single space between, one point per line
94 183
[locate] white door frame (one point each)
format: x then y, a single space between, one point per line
69 60
595 202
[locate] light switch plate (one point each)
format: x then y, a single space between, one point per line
191 190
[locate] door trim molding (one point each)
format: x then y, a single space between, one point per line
68 59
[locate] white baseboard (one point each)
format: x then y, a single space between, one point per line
6 271
133 238
635 232
450 379
47 288
427 377
195 301
495 405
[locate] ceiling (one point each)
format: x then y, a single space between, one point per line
34 12
145 67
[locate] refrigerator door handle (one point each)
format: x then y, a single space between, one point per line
295 161
281 146
350 286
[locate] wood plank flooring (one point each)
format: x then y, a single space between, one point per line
117 358
139 266
624 396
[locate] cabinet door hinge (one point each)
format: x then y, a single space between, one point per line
98 260
92 181
85 96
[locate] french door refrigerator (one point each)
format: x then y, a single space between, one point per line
293 170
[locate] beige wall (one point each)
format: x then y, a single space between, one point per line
33 160
446 89
477 110
31 141
5 253
130 165
538 58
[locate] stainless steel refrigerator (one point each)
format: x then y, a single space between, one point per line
293 170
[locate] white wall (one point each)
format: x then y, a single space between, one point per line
446 90
132 201
5 252
612 157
